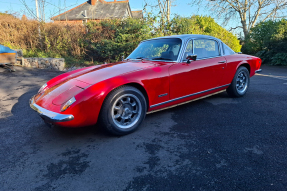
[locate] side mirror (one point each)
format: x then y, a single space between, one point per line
190 57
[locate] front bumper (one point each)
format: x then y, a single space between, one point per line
50 115
259 70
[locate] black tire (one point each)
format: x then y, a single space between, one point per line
118 113
240 83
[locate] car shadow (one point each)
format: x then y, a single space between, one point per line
22 113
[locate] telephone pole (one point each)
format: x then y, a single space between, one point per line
38 19
37 11
168 10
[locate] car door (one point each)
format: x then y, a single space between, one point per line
203 74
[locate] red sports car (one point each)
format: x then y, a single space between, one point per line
159 73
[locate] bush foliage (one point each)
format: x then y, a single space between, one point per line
206 26
109 40
103 41
268 40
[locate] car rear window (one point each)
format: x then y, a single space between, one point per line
227 50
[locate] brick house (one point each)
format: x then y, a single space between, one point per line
94 10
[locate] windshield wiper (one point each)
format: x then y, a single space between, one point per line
142 58
160 58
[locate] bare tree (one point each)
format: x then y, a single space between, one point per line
249 12
31 12
164 8
42 6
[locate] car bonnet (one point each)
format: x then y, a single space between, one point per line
61 92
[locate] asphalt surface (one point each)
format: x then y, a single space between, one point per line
218 143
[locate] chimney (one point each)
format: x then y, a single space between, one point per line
93 2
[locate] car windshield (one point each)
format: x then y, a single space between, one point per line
166 49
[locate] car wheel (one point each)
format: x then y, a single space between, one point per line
240 83
123 110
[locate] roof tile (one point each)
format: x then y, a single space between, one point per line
101 10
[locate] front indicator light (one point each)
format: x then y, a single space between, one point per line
43 87
68 104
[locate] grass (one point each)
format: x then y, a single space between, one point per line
75 62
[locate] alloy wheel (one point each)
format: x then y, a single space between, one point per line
126 111
241 82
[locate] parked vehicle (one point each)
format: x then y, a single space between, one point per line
7 58
159 73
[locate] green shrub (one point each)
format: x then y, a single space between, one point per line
279 59
40 53
268 40
206 26
102 41
109 40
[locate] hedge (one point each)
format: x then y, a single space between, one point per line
268 40
104 41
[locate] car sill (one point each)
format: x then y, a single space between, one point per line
185 102
179 98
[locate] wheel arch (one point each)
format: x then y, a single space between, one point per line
246 65
141 89
132 84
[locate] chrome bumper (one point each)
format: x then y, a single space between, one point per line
259 70
50 115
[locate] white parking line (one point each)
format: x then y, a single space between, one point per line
272 76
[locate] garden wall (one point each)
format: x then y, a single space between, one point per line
44 63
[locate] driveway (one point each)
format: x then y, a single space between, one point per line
218 143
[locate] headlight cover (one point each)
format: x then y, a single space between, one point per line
43 87
68 104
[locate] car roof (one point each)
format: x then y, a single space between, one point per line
186 37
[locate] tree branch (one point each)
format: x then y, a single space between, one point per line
233 28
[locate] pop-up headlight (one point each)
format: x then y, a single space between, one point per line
43 87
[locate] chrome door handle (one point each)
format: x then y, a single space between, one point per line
222 61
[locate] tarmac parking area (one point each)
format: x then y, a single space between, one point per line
217 143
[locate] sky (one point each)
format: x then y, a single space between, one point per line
54 7
182 6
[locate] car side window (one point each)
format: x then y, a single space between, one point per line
227 50
206 48
188 50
